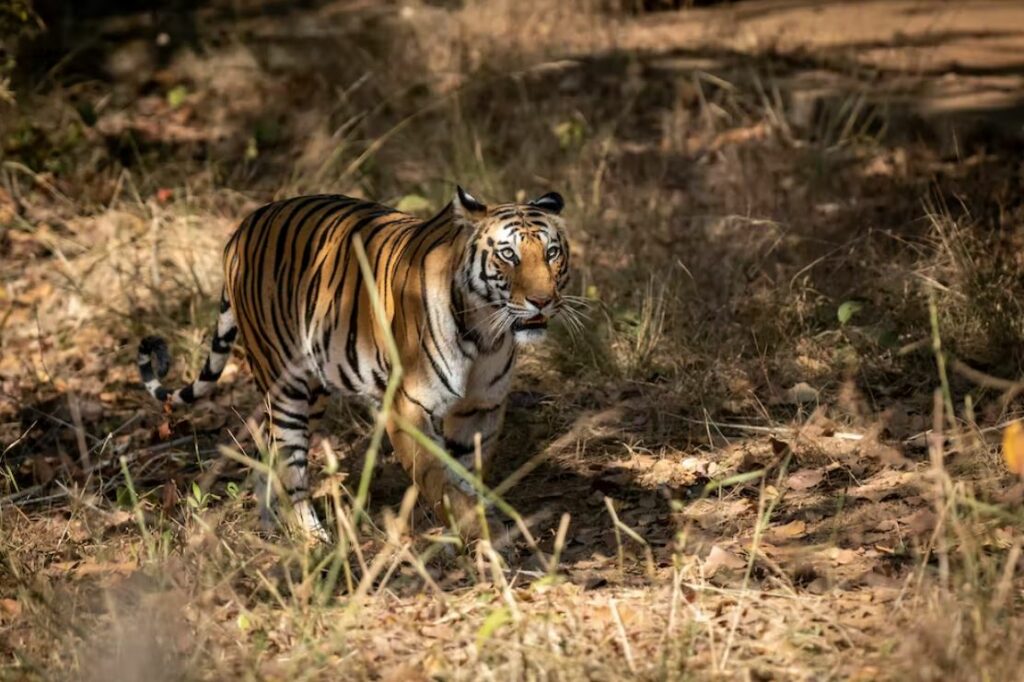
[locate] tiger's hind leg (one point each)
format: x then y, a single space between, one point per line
289 413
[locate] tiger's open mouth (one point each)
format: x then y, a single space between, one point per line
535 322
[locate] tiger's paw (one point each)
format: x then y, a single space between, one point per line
309 524
461 509
464 485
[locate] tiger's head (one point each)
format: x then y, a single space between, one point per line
516 263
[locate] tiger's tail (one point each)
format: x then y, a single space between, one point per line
155 361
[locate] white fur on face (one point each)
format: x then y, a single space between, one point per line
526 337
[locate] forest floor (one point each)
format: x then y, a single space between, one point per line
774 453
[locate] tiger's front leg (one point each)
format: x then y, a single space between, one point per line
434 480
482 410
471 416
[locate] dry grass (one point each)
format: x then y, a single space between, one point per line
721 479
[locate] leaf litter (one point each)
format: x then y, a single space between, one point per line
784 517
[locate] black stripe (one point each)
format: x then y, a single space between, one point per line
291 393
287 270
415 402
397 252
253 242
442 219
285 335
288 413
302 266
327 231
477 411
458 449
431 333
457 308
351 348
345 260
505 370
290 424
311 297
349 386
207 373
253 277
222 344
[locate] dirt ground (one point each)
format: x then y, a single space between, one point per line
773 454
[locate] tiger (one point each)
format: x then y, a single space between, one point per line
462 292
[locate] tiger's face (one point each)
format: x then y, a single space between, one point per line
516 264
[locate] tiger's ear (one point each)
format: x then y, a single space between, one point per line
552 201
466 205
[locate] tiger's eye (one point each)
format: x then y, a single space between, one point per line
508 254
553 252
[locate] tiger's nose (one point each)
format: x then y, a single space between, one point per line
540 303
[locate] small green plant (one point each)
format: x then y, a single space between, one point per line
571 133
123 498
18 21
414 203
198 499
176 96
847 310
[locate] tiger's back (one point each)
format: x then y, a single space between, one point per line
293 280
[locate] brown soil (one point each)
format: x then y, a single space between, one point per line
768 469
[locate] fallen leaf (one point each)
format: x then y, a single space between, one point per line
163 432
116 518
169 497
100 568
800 394
1013 448
629 615
10 608
805 479
886 483
405 673
439 631
920 522
720 558
788 531
841 556
41 470
60 567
